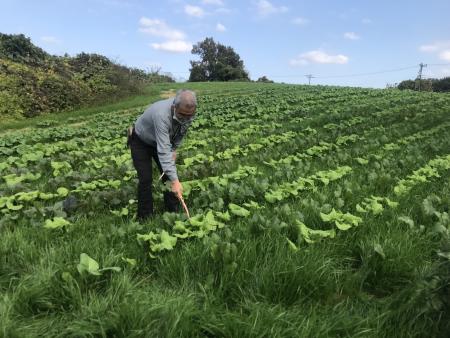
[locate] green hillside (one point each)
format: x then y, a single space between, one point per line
33 82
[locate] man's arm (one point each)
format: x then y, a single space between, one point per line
164 149
165 155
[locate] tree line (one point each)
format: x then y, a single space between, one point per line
426 85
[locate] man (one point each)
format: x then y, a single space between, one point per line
157 134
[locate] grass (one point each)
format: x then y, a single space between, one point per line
334 288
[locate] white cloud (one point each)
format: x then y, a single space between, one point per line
50 39
300 21
159 28
177 46
445 55
176 39
428 48
351 36
196 11
265 8
213 2
220 27
366 21
435 47
317 56
441 48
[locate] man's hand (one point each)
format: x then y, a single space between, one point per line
174 155
177 188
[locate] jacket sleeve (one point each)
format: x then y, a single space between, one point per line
164 149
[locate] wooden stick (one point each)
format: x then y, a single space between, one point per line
184 206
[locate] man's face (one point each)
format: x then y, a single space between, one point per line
183 113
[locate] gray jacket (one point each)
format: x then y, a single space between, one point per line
157 127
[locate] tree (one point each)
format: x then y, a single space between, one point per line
217 63
264 79
407 84
425 85
19 48
442 85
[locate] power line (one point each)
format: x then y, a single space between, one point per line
365 74
349 75
310 76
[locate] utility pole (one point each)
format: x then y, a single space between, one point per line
419 76
309 76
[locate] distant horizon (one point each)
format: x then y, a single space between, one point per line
347 44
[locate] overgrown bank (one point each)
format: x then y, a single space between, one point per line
33 82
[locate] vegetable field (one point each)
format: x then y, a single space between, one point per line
315 212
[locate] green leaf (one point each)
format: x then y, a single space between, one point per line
66 276
130 261
292 245
121 212
88 265
407 220
330 217
56 223
274 196
151 236
360 209
342 221
62 192
352 219
375 207
342 226
46 196
311 235
379 250
238 211
12 180
390 203
362 161
11 206
166 242
253 205
224 216
111 268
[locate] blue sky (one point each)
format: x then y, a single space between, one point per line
335 41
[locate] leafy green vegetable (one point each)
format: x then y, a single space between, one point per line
238 210
56 223
90 266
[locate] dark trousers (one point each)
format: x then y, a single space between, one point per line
142 155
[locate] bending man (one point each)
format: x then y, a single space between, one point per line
156 134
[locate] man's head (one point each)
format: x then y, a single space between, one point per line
184 104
